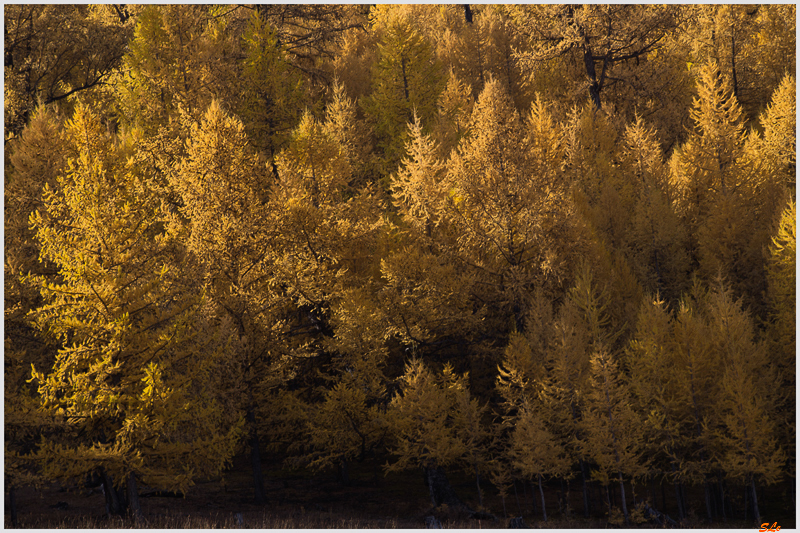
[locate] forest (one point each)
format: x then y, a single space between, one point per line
539 247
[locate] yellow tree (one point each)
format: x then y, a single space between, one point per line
428 419
326 263
776 149
603 39
52 52
781 336
406 79
652 237
746 405
498 45
605 196
352 134
222 185
270 101
696 369
613 429
753 46
532 448
507 205
166 63
35 159
135 377
535 452
422 293
565 385
653 384
585 327
722 191
479 234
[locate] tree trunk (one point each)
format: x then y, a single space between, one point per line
733 68
588 62
612 495
441 490
519 508
755 500
653 493
585 490
114 507
429 482
722 498
746 498
541 492
477 474
12 504
133 499
344 474
622 493
681 513
255 458
708 501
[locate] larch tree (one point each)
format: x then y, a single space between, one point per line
695 365
223 187
614 439
453 117
499 45
781 332
719 191
327 225
749 44
36 158
406 79
531 447
352 133
565 384
454 38
747 431
775 52
135 375
778 144
655 242
653 385
536 452
52 52
271 102
422 292
427 418
164 65
602 38
329 228
587 325
507 203
311 34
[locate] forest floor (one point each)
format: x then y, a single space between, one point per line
298 499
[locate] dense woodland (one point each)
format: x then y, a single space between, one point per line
543 243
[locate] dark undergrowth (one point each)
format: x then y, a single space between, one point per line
306 500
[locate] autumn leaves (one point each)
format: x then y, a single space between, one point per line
421 263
